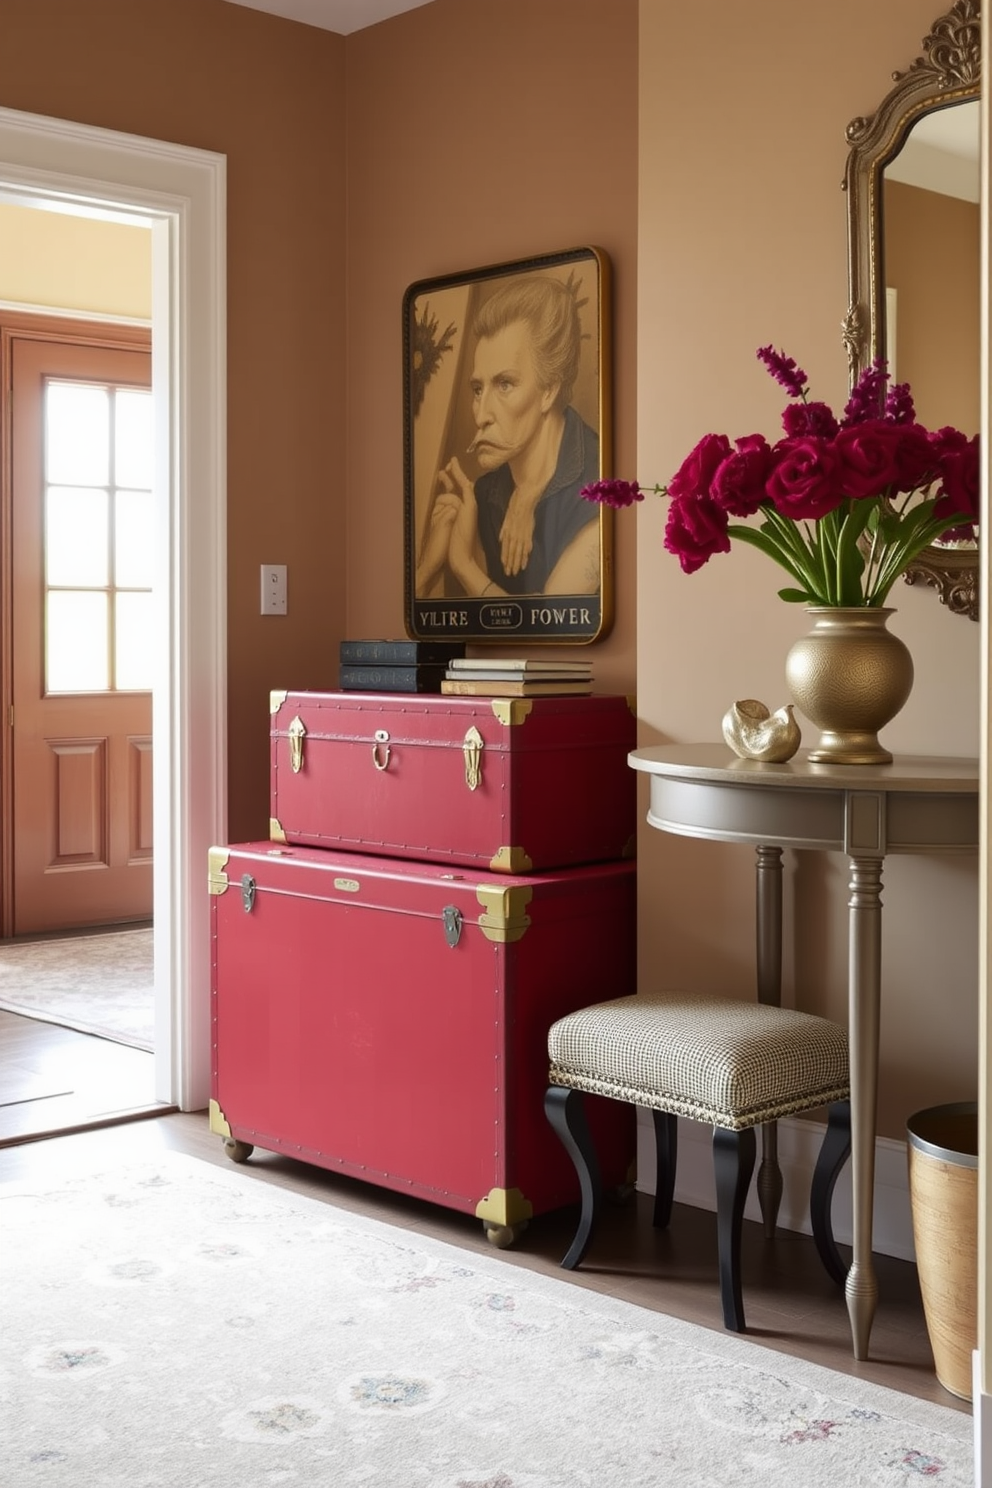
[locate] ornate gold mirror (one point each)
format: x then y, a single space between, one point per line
912 184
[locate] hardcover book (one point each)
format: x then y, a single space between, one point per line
399 653
425 678
513 687
514 665
484 673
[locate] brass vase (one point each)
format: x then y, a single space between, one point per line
849 676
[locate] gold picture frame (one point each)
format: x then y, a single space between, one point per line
506 382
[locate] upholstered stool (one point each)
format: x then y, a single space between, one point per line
734 1065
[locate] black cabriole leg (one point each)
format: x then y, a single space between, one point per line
733 1164
565 1111
666 1142
834 1152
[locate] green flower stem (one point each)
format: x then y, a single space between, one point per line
827 558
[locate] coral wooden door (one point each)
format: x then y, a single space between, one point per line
82 528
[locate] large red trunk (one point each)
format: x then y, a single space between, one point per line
389 1020
505 785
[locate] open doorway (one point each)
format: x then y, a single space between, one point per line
179 194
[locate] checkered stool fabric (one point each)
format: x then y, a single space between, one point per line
733 1065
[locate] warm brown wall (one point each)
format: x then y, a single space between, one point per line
269 95
477 134
932 261
743 241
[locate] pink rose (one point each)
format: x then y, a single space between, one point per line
695 529
694 475
804 480
738 483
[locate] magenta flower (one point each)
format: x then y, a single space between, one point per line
960 482
808 418
696 529
738 483
804 481
697 470
843 507
616 493
784 370
869 458
867 400
899 406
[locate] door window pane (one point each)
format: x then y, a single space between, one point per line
99 537
134 550
76 654
134 447
133 634
77 547
77 434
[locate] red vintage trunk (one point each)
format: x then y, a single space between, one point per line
503 784
389 1020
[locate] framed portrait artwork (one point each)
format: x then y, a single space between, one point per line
507 416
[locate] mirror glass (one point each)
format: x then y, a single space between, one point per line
914 246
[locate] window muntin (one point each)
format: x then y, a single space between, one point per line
98 537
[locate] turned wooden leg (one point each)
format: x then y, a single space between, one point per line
666 1142
768 903
565 1110
834 1152
733 1164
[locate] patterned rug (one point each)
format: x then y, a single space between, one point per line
178 1325
102 984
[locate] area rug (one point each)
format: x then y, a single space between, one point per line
101 984
180 1325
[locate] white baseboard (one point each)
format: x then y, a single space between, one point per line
798 1145
982 1413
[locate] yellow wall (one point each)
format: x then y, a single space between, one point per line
743 242
63 262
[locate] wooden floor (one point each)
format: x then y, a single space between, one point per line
53 1079
791 1304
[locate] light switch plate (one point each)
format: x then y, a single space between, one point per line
273 588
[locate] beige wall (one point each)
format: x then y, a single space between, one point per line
62 262
462 134
742 243
268 95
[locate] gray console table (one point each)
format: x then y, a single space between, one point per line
915 805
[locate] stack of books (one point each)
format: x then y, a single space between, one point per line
395 666
496 677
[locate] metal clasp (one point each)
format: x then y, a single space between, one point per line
247 892
472 750
381 737
452 917
297 730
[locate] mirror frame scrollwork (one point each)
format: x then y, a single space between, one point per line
949 71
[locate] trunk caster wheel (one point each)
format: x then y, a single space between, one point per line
503 1236
238 1152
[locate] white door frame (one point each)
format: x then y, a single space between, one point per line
180 193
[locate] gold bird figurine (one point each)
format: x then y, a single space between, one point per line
754 733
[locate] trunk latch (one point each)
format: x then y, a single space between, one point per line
452 917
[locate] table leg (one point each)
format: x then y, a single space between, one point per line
864 993
768 891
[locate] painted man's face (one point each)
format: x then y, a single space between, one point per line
508 404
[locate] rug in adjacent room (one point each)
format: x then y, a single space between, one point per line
101 984
183 1324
